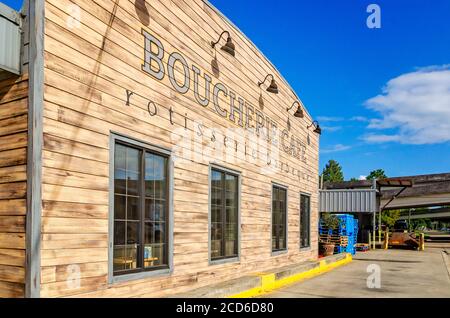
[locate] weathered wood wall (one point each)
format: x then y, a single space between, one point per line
13 177
89 64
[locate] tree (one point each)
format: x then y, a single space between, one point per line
420 224
389 217
332 172
353 179
376 174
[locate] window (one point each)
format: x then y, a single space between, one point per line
279 219
305 222
140 210
224 215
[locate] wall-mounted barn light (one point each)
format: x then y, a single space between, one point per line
316 126
273 88
228 47
299 112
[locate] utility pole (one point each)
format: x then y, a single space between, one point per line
409 218
375 187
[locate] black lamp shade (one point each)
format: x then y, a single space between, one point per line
229 47
299 113
318 130
273 88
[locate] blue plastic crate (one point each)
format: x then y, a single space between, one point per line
339 249
348 226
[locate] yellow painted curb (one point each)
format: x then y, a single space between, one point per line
269 283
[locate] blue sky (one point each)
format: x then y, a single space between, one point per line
382 96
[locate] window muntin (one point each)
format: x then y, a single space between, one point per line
305 221
279 218
224 218
140 210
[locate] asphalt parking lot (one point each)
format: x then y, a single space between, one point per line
381 273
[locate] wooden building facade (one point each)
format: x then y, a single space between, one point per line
137 160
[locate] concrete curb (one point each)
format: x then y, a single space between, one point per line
273 281
263 283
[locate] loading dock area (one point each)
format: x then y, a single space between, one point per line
403 273
367 199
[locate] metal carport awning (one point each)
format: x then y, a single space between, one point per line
348 201
10 40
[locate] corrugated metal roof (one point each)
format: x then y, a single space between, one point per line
348 201
10 41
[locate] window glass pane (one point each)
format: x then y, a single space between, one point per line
149 233
133 180
231 199
149 210
216 215
155 250
216 176
216 240
154 255
119 233
231 240
158 232
231 215
155 176
149 176
132 232
120 181
155 210
305 220
224 215
120 157
125 258
231 183
129 197
120 202
279 214
132 208
131 257
126 208
119 258
231 248
159 167
133 160
216 197
160 210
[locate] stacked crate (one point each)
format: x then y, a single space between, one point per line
351 230
344 237
337 236
355 233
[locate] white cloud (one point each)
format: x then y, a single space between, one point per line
329 119
416 105
379 138
433 68
362 178
336 148
360 118
331 128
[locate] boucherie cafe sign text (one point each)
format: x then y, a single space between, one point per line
237 110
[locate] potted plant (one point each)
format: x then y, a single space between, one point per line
329 222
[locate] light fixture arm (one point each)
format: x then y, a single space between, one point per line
269 75
213 44
314 123
295 103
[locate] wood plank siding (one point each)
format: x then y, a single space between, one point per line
98 84
13 177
